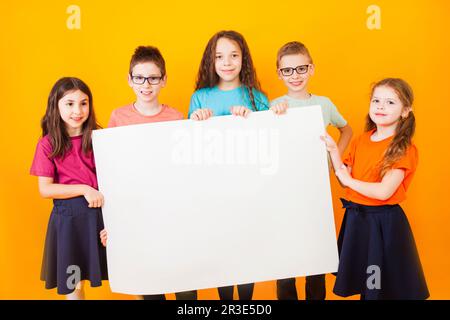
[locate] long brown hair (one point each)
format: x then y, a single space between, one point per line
405 127
53 125
207 76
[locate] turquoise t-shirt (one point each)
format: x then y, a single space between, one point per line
330 113
220 101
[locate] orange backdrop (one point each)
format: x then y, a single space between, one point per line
37 48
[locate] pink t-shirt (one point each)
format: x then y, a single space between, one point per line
75 168
128 115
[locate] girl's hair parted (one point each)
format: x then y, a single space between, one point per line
53 125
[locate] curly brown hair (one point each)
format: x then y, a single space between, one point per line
405 128
207 76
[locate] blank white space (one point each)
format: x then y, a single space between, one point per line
180 226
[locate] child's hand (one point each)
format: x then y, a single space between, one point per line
329 142
103 237
240 111
344 176
201 114
280 108
93 197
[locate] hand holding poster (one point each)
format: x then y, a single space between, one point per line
193 205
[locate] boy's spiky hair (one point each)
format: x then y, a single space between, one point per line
144 54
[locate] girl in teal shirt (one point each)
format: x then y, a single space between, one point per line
227 84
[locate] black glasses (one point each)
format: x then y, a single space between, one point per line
141 80
290 71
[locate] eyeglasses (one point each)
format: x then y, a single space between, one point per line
290 71
141 80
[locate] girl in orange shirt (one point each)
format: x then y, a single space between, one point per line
378 255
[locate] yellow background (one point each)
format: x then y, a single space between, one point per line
37 48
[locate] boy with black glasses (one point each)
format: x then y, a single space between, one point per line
147 76
295 67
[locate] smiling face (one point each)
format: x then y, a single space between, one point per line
386 108
146 92
228 60
74 111
296 83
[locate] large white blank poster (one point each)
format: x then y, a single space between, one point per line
204 204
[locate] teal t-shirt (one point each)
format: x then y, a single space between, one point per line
330 113
220 101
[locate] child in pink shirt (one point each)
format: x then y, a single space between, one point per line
65 165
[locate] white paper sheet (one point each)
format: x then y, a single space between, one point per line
203 204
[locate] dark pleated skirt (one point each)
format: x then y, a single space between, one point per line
73 251
378 241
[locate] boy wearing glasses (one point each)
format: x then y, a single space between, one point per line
294 68
147 76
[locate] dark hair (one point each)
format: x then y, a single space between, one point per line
148 54
405 128
293 47
207 76
53 125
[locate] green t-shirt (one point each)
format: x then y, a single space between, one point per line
330 113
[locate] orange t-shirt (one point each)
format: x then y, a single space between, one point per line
128 115
364 157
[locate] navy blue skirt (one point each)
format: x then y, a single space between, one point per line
377 255
73 251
